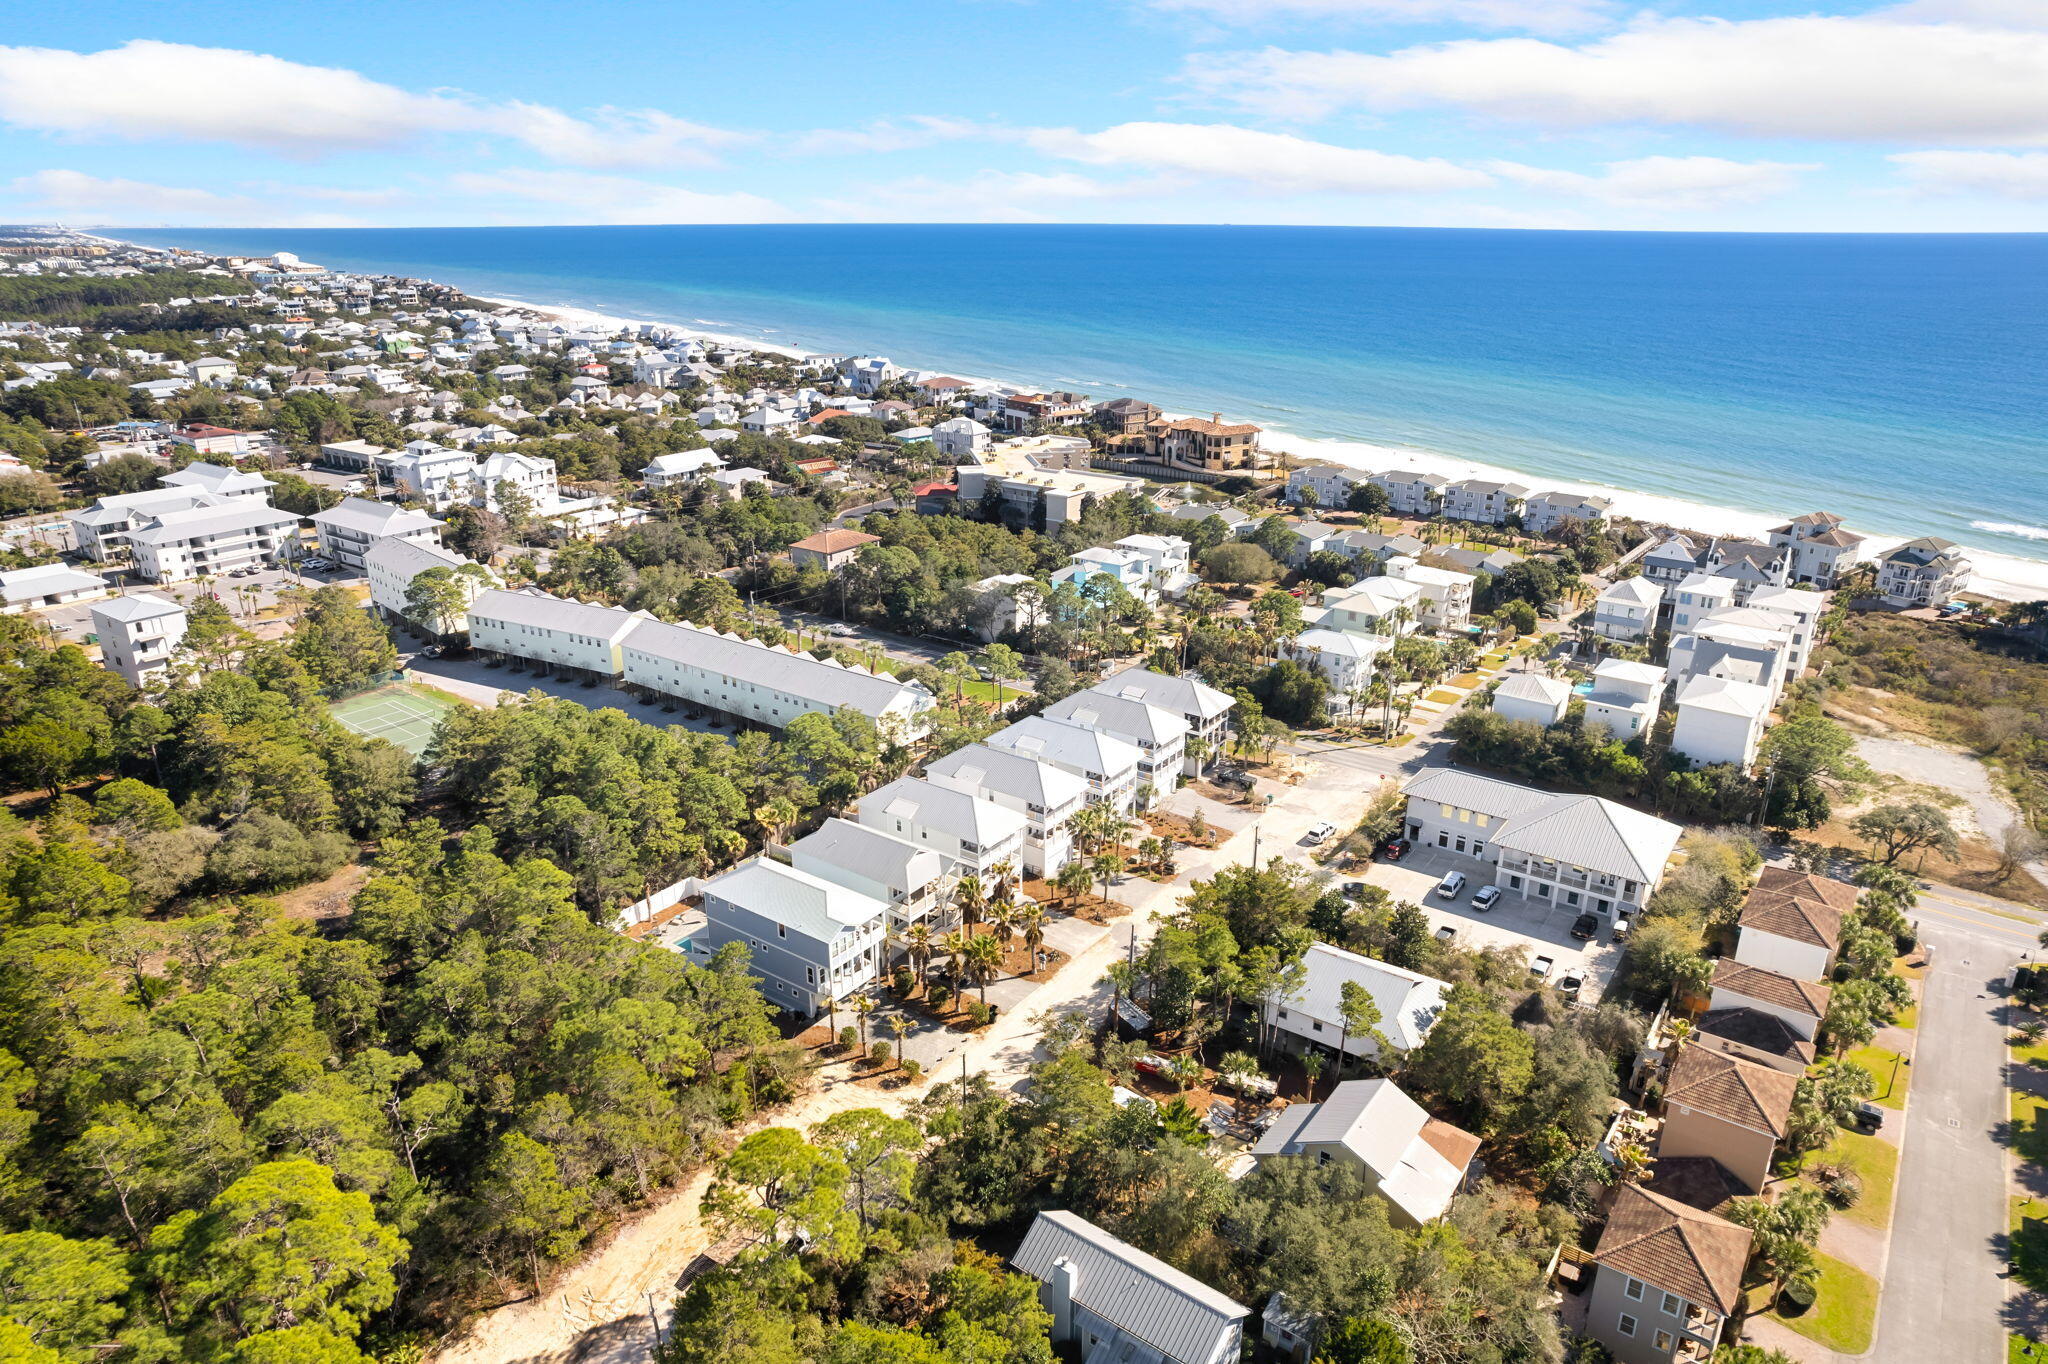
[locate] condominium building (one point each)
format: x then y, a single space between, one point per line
1106 763
1047 796
349 527
392 564
1205 710
971 834
139 636
552 631
209 540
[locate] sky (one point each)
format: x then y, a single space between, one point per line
1712 115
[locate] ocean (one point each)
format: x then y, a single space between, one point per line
1899 380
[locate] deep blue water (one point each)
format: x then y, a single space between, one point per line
1899 380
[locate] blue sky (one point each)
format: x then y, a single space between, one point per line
1923 115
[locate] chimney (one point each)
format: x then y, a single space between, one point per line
1057 1297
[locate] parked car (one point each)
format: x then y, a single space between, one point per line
1585 926
1394 849
842 631
1485 898
1623 926
1452 886
1242 780
1354 890
1541 968
1868 1116
1569 985
1320 833
1445 934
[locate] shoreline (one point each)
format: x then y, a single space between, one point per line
2002 577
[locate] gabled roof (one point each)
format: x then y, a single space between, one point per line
1638 591
1840 895
1786 992
1547 691
808 904
1731 1089
871 854
374 518
1409 1002
982 767
1121 716
959 813
1068 745
1678 1249
1183 695
1148 1299
544 612
823 682
1417 1160
1585 831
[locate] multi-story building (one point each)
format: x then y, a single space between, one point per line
506 478
225 483
1534 697
1031 413
1205 709
139 637
1627 611
1698 596
48 585
1791 923
1667 1277
1112 1302
207 541
433 474
971 834
1371 606
1482 500
1446 601
831 549
960 438
1821 549
1323 485
392 564
1167 562
1625 698
1800 1005
552 631
1047 796
1105 762
1581 852
351 526
1416 1162
1159 735
682 467
1545 512
1926 572
1727 1109
909 878
812 942
1208 446
1311 1017
1720 721
1347 659
1411 493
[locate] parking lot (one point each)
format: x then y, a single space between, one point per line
1538 927
246 598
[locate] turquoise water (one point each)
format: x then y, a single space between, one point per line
1901 381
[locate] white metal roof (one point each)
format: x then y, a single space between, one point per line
23 584
985 768
545 612
824 682
1408 1001
374 518
1120 715
807 904
1183 695
959 813
872 854
138 606
1175 1313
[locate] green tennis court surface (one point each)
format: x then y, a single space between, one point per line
398 714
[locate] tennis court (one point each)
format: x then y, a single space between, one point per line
401 714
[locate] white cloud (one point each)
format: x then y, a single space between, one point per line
131 203
1272 162
1533 16
1663 182
885 135
587 198
1855 78
151 91
1998 13
2010 175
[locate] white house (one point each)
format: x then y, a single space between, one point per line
552 631
532 476
212 371
1627 611
1533 697
684 466
1625 698
770 421
224 483
1111 1302
1411 493
1482 500
764 683
392 564
139 636
1820 548
1798 610
48 585
1791 923
1545 512
351 526
1322 485
1047 796
1311 1017
433 474
1581 852
207 541
1159 735
1415 1161
1166 562
811 941
732 484
1446 601
971 834
961 438
1372 606
909 878
1720 721
1737 650
1926 572
1105 762
1347 659
1205 709
1698 596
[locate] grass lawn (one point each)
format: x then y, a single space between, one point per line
1844 1310
2029 1135
1891 1092
2020 1350
2030 1053
1876 1163
1443 697
1467 680
974 687
2029 1222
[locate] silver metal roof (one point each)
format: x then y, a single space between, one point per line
1174 1313
1012 773
1181 695
824 682
1124 716
545 612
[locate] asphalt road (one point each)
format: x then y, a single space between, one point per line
1945 1286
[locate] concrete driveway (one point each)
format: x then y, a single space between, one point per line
1518 922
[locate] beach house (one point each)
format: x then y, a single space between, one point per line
1347 659
1205 709
139 636
1445 604
1110 1301
1719 720
1544 512
969 833
909 878
810 941
1416 1162
1482 500
1159 735
1047 796
1625 698
1928 571
1666 1278
1106 763
1820 548
1310 1016
1533 697
1411 493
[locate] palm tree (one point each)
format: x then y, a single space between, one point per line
984 962
863 1005
1236 1068
1106 866
969 899
1031 920
1002 889
1002 920
899 1028
1312 1066
1123 984
1072 881
917 945
954 945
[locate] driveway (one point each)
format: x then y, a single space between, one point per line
1518 922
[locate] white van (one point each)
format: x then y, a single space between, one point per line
1452 886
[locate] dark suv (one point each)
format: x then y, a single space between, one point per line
1584 927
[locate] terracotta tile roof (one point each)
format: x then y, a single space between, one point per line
1697 1181
1805 885
1678 1249
833 541
1802 996
1791 916
1733 1090
1755 1036
1454 1144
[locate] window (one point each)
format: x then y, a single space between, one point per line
1315 1026
1283 1013
1443 838
781 930
1627 1324
1673 1304
1664 1340
1634 1289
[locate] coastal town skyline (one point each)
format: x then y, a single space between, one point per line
1735 115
